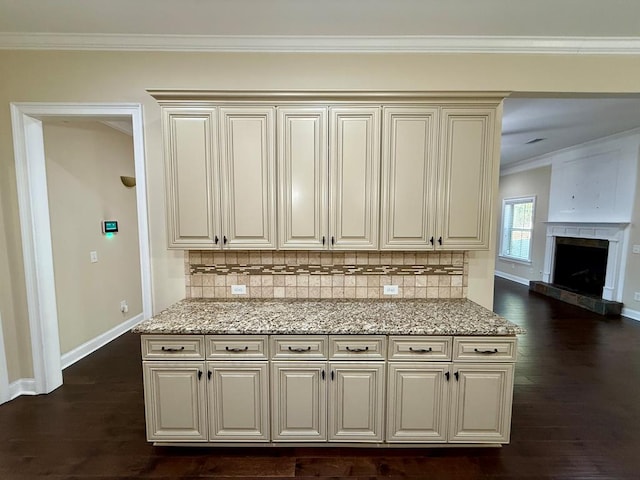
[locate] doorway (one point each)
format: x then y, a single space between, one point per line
33 205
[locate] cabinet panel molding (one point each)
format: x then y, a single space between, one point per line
303 177
248 169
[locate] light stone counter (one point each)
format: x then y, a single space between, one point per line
333 317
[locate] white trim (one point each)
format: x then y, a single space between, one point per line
36 233
4 372
94 344
513 278
23 386
324 43
632 314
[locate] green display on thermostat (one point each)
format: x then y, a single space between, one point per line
109 226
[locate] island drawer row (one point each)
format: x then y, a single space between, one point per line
333 347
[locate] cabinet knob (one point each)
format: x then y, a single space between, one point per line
300 349
224 239
216 239
235 350
431 240
172 349
323 240
440 241
486 352
357 350
420 350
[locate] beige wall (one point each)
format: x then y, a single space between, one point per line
31 76
84 161
529 183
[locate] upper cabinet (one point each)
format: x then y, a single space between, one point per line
438 170
191 170
329 164
248 177
469 158
330 171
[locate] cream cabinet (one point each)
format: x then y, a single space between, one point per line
418 402
299 401
481 403
469 159
191 163
346 389
356 405
221 177
409 173
329 166
175 401
238 399
248 177
439 166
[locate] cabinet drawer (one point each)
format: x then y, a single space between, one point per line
355 347
250 347
299 346
415 349
485 349
162 347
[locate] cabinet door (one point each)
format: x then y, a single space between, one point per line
409 150
247 163
481 406
175 401
354 164
468 174
418 402
356 402
191 172
238 401
303 178
299 409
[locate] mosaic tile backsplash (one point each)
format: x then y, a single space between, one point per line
269 274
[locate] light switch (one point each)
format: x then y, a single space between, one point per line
636 249
93 256
238 289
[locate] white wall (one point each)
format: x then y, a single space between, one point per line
84 161
534 183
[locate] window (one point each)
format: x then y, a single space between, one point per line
517 228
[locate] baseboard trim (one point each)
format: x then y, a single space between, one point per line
22 386
632 314
94 344
513 278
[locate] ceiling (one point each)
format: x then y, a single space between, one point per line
548 26
548 18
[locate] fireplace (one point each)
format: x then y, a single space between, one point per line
580 265
593 266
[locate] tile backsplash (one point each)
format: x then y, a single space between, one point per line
271 274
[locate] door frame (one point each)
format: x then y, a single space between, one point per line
33 204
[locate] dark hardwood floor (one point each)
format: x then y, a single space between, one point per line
576 414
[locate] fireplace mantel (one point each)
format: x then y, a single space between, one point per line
617 235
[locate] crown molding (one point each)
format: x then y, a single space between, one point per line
323 44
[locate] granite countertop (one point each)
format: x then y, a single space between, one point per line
385 317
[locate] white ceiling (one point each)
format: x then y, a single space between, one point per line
588 18
549 26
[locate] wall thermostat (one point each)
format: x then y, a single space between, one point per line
109 226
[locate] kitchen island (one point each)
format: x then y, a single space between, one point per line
328 372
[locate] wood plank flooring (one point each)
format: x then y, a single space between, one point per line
576 415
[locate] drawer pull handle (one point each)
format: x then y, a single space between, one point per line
300 349
236 350
357 350
172 349
420 350
486 352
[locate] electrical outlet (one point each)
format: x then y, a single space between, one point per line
390 290
636 249
238 289
93 256
124 307
636 296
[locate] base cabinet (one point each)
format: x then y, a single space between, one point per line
238 399
418 402
246 389
175 401
481 406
